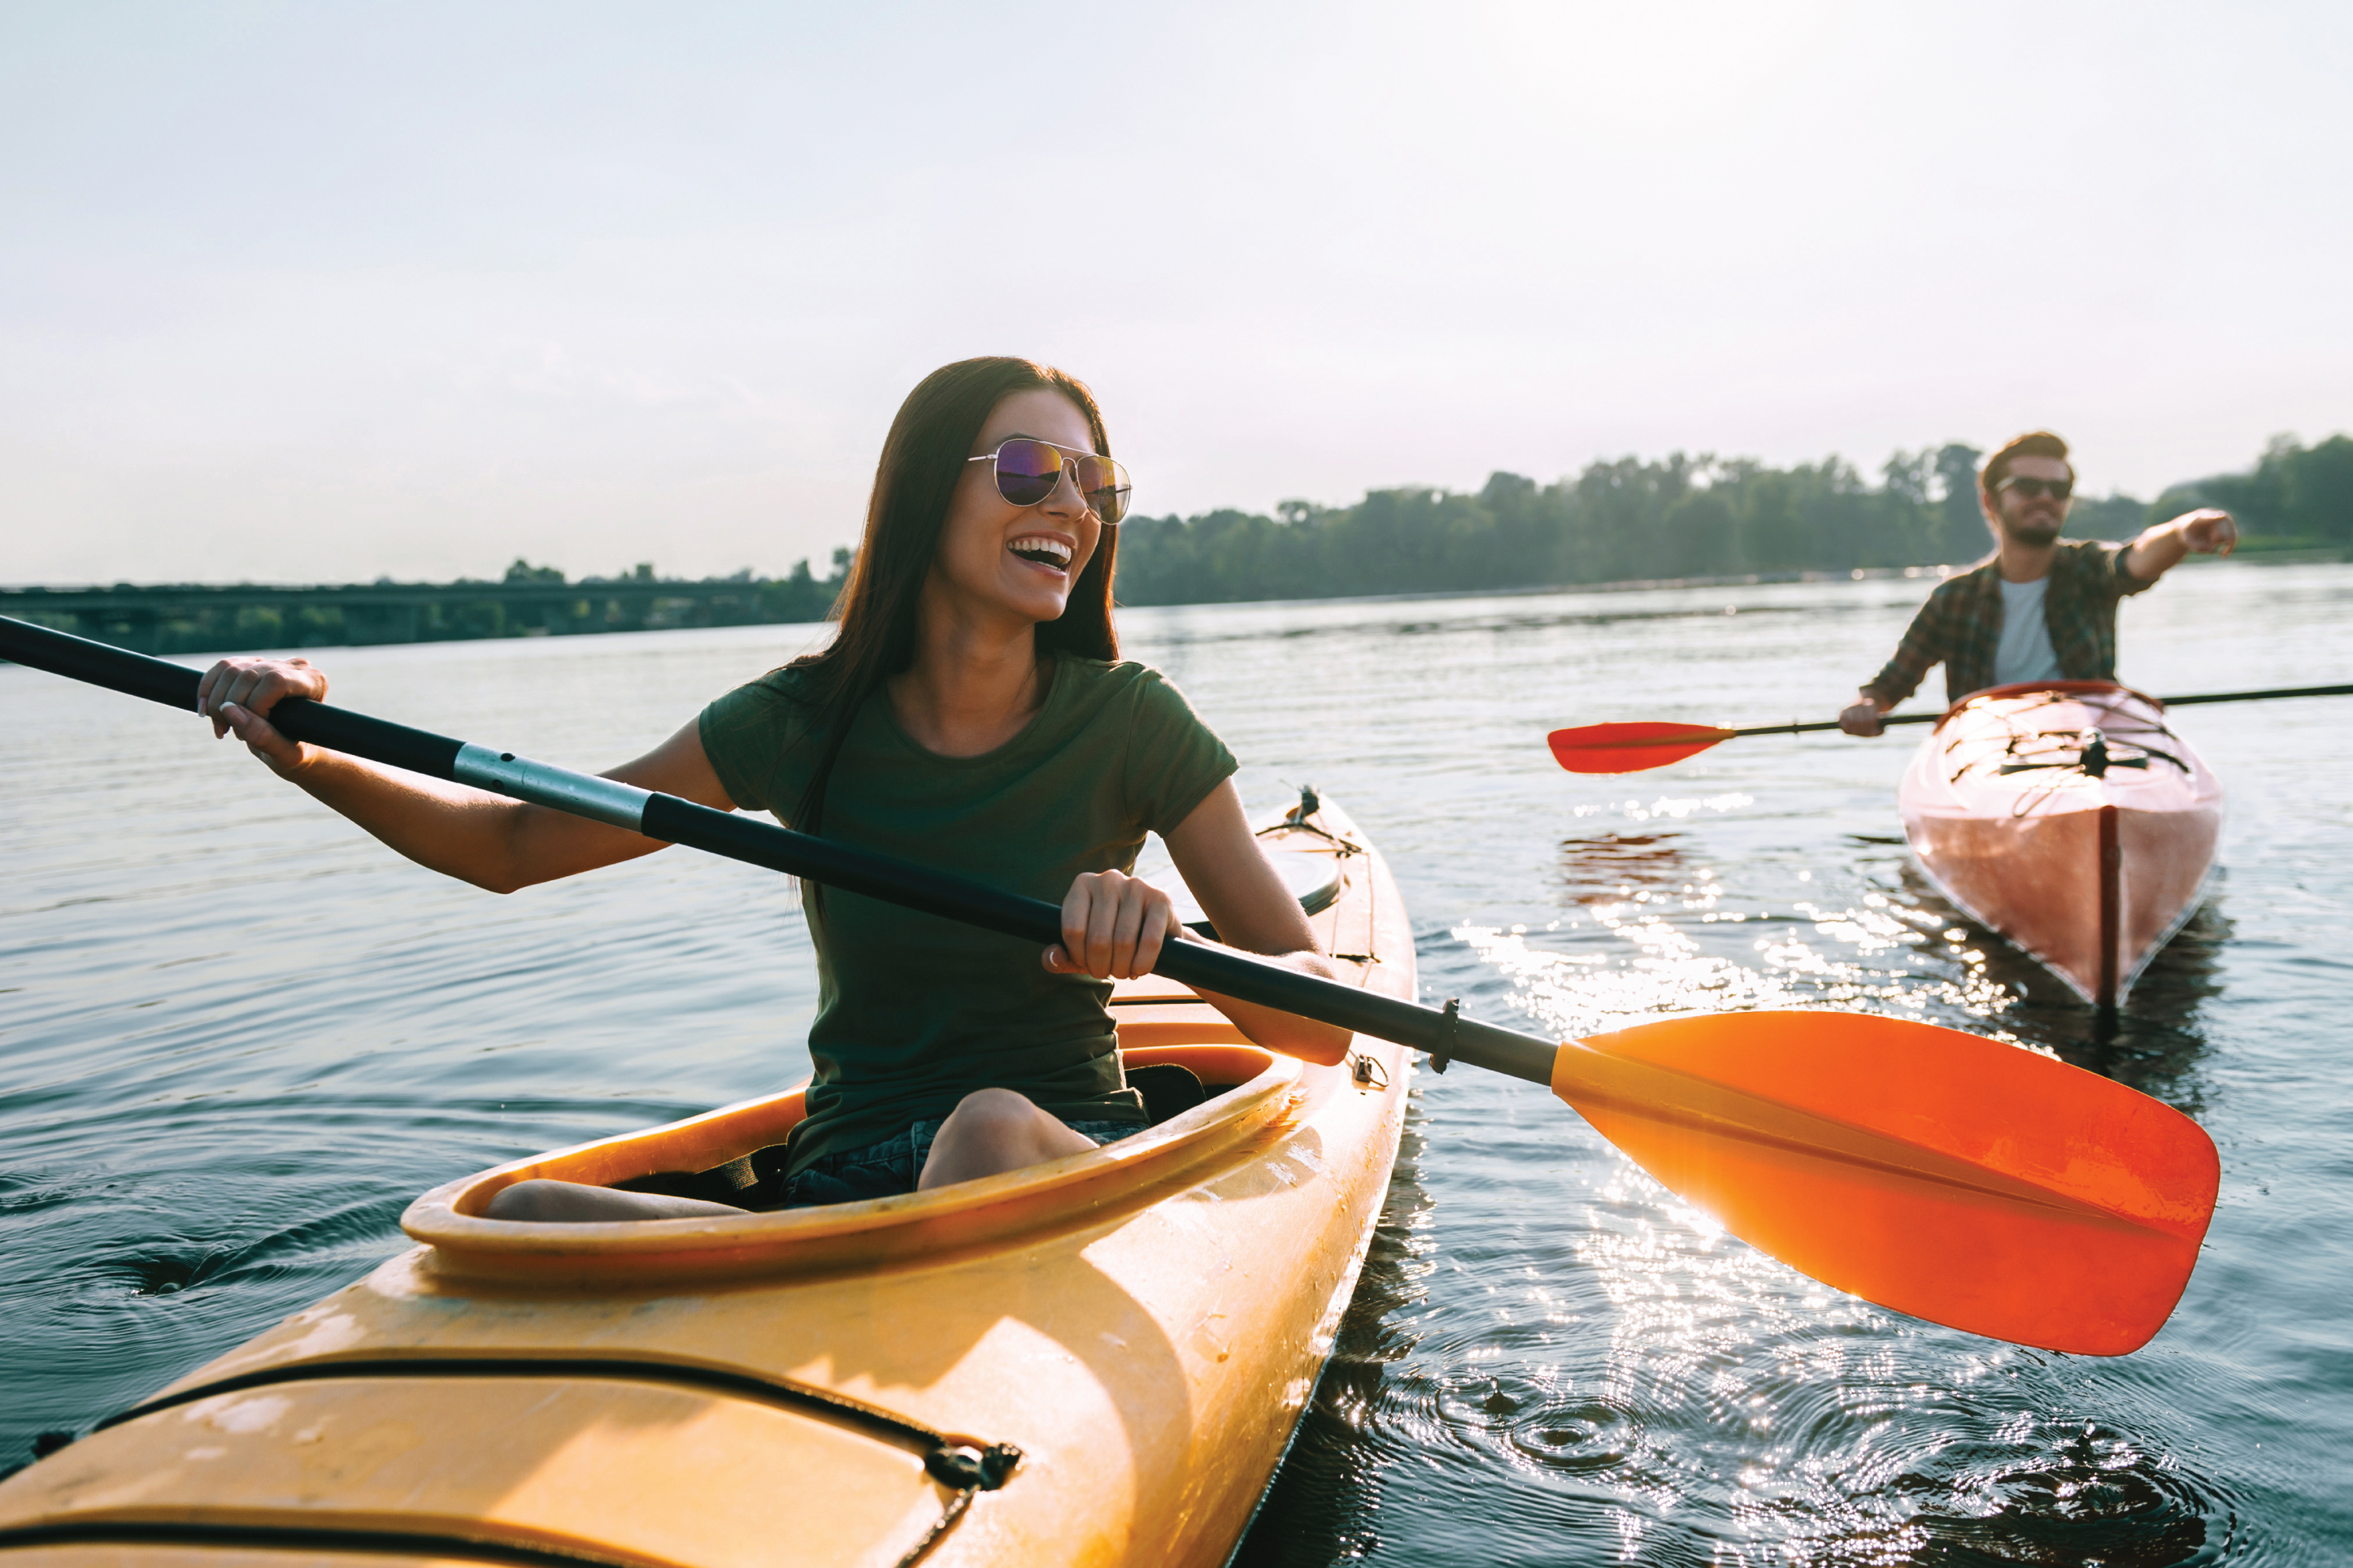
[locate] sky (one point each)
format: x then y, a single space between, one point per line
294 293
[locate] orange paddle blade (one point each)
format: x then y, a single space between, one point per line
1958 1179
1630 748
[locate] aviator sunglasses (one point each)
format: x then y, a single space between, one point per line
2057 489
1028 469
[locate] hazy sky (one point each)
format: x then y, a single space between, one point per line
314 292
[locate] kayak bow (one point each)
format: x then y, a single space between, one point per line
2070 820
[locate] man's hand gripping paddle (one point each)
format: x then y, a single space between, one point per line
1954 1178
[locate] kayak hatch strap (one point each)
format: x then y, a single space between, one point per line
2007 768
963 1465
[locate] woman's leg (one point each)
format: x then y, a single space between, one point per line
995 1129
562 1202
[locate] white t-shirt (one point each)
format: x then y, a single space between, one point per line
2025 652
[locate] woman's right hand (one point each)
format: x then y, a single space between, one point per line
1113 927
237 695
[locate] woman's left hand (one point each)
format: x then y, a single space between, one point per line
1113 926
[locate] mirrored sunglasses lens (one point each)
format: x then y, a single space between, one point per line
1027 471
1105 486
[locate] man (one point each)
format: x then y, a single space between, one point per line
2039 608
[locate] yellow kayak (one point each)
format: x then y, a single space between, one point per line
1099 1360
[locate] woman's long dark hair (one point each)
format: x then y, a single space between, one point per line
922 461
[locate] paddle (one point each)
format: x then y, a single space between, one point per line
1638 747
1954 1178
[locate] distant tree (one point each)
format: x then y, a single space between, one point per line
1963 535
2115 516
1504 493
2320 490
1700 537
1772 534
1906 476
1909 522
524 572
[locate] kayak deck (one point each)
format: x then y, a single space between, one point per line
1097 1360
2068 819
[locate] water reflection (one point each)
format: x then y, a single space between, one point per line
1610 867
2156 1043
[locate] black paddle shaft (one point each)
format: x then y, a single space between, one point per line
1794 728
1445 1035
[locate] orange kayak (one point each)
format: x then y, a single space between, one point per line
1099 1360
2067 818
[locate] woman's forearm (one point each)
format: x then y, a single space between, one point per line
493 843
1289 1033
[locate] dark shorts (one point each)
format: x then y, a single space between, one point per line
889 1169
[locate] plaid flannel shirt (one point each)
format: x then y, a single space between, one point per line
1961 623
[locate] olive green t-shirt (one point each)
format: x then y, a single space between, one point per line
915 1011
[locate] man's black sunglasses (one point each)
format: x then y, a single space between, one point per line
2057 489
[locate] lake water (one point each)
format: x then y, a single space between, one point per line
236 1037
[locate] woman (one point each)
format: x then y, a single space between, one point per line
972 713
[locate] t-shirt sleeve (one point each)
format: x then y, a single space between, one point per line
1174 759
748 734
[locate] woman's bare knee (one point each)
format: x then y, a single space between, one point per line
993 1130
995 1109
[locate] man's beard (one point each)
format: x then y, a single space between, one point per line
2037 533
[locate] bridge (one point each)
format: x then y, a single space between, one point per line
203 619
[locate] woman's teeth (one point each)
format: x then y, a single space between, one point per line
1045 551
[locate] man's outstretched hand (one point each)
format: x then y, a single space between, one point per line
2206 531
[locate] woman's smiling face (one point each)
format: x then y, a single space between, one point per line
1018 562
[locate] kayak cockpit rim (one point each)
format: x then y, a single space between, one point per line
450 1217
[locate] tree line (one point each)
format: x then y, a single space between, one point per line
2294 496
1625 519
1630 520
1621 519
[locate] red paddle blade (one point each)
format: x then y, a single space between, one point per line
1630 748
1956 1178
